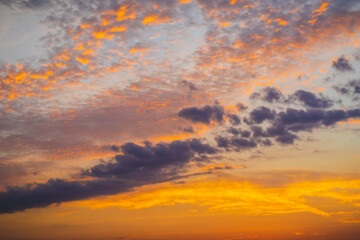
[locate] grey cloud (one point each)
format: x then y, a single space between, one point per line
342 64
33 4
241 107
261 114
136 166
351 89
56 191
242 133
235 143
113 148
234 119
268 94
203 115
311 100
189 129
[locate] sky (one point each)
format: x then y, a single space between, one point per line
179 119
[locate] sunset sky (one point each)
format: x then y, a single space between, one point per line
180 119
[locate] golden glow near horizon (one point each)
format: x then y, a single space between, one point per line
224 196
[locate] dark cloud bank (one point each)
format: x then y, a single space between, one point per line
136 166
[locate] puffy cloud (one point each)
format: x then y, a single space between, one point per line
262 113
241 107
205 114
257 131
292 117
268 94
235 143
234 119
311 100
284 126
286 138
242 133
242 143
287 123
342 64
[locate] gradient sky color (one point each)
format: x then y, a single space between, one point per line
179 119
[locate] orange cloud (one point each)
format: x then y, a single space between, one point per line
185 1
224 24
281 22
138 50
124 13
352 121
82 60
322 8
199 130
155 19
118 29
317 12
102 35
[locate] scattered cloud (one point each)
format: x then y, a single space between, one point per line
342 64
205 114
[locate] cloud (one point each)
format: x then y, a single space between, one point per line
287 138
32 4
287 123
150 162
136 166
351 89
311 100
113 148
242 143
241 107
234 119
342 64
203 115
292 117
261 114
139 165
189 129
284 126
235 143
55 191
242 133
268 94
116 122
271 95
